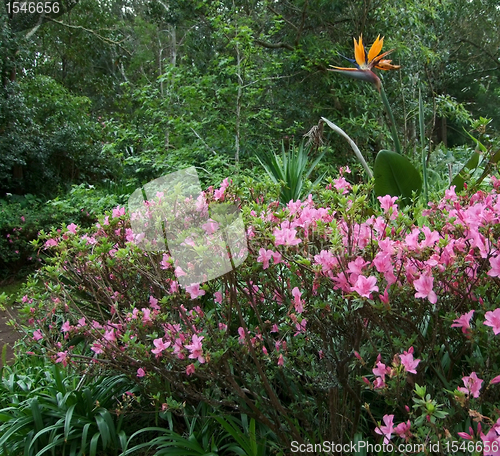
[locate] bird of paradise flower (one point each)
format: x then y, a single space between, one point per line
393 173
365 62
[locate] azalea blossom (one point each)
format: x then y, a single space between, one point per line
118 211
298 303
495 267
194 290
493 320
424 286
472 385
386 430
365 285
141 372
388 202
463 322
264 257
408 362
97 348
403 430
381 370
72 228
196 348
63 357
491 440
160 346
286 236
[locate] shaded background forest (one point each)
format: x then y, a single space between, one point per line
110 94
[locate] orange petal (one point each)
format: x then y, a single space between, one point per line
387 65
376 60
359 51
376 48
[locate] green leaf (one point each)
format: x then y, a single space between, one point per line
395 175
466 171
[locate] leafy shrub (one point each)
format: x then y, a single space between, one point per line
342 316
23 217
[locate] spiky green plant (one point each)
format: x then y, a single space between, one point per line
291 171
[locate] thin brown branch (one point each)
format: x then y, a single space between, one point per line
93 32
280 45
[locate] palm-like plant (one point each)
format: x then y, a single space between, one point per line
291 171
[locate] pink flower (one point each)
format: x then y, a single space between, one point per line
194 290
210 227
403 430
160 346
62 357
179 272
165 263
218 297
493 320
66 327
495 380
491 441
387 202
386 430
495 267
196 349
299 308
72 228
381 370
241 332
97 348
153 302
463 322
50 243
342 185
141 372
464 435
472 385
118 211
109 335
37 335
365 285
281 360
222 327
408 362
190 369
424 285
264 257
286 236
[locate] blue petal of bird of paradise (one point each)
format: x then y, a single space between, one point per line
350 60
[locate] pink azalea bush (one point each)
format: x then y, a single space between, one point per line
342 313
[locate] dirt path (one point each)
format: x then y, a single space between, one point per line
8 335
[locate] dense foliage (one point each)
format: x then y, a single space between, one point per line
352 318
334 300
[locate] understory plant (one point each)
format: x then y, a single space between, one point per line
46 409
345 321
